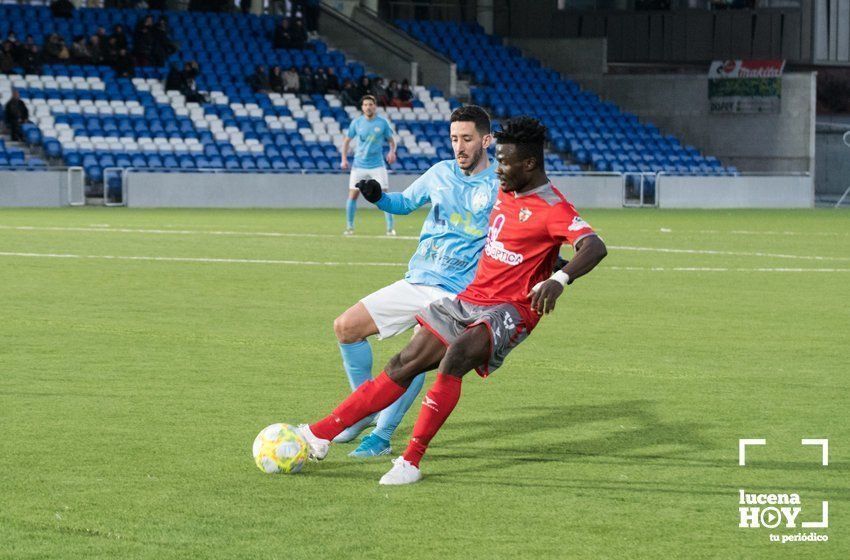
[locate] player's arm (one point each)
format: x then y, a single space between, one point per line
415 196
590 251
346 144
391 156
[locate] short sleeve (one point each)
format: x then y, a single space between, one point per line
388 130
566 226
352 129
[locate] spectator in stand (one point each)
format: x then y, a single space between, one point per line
333 80
28 44
102 37
143 40
259 80
320 81
379 92
392 92
364 87
189 88
299 35
111 51
7 59
276 79
62 9
306 77
80 53
16 47
404 97
16 114
55 49
123 65
32 60
349 94
95 50
291 81
311 15
174 79
283 35
163 46
120 37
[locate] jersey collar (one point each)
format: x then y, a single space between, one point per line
533 191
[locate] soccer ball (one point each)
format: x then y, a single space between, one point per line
279 448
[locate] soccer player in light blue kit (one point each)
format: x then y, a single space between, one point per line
461 192
371 131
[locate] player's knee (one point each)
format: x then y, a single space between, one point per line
346 329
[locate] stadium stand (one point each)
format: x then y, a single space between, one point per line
595 133
86 115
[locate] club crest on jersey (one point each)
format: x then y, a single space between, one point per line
578 224
377 129
524 215
480 200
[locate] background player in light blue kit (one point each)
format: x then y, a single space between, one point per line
372 131
461 192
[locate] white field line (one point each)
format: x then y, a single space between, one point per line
194 259
673 231
380 264
201 232
325 235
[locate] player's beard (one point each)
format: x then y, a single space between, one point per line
473 161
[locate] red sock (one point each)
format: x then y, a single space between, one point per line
372 396
438 404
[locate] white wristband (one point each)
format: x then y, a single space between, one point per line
560 277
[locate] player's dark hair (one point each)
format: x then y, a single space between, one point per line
527 134
473 114
368 98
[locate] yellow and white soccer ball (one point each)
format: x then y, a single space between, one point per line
279 448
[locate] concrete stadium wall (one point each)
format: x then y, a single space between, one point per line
33 188
678 104
244 190
735 192
833 165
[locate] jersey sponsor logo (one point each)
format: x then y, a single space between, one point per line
495 249
578 224
524 215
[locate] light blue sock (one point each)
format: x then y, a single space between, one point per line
390 221
390 417
350 209
357 361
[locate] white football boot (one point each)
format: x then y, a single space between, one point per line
317 447
401 473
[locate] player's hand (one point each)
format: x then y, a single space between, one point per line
343 163
391 158
371 190
544 295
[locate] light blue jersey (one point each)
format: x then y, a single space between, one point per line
371 136
454 232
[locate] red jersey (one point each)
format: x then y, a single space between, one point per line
525 235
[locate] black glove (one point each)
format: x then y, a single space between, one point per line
560 263
371 190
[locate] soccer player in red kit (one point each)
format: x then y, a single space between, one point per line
511 290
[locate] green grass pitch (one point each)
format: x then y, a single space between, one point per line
132 388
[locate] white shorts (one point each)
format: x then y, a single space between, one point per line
377 173
394 307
